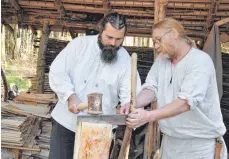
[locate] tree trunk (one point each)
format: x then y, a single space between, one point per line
41 59
5 86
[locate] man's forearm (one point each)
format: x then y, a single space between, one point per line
73 97
172 109
145 97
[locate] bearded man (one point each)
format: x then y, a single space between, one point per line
89 64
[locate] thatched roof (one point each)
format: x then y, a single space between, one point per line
77 15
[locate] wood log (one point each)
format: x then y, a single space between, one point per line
4 84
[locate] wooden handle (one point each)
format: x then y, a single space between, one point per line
133 81
218 148
124 152
82 106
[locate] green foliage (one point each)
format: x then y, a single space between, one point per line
20 82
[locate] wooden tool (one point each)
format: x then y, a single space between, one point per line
218 148
82 106
124 152
95 103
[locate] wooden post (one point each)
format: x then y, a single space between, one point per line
210 18
153 128
73 35
106 6
159 13
41 58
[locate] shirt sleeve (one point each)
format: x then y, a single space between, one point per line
151 82
125 85
59 75
195 85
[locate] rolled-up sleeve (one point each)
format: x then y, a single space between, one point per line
151 82
194 87
59 75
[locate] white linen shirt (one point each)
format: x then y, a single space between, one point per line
193 79
78 69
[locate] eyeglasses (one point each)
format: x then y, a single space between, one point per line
158 40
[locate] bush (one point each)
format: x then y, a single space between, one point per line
20 82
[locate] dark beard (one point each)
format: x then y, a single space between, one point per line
108 53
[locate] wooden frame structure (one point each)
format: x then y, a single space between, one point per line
76 16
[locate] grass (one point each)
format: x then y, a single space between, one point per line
20 82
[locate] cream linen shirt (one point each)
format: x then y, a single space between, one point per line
78 69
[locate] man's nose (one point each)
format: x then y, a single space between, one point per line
112 42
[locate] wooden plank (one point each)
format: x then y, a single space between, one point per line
20 148
92 141
24 110
34 99
37 95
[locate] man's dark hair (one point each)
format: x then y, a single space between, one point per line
117 21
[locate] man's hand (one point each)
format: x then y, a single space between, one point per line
125 109
138 118
73 102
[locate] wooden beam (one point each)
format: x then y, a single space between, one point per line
16 5
151 22
210 18
106 6
9 27
190 1
21 148
172 12
95 2
41 58
222 21
72 33
132 4
60 8
192 5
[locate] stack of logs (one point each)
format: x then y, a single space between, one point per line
26 124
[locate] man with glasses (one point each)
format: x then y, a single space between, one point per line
183 81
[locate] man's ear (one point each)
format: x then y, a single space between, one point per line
100 27
175 33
